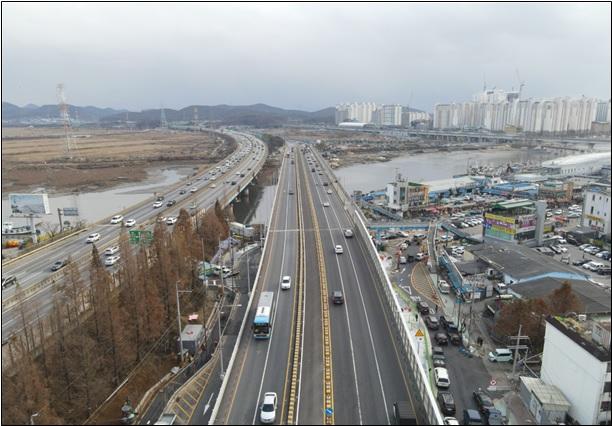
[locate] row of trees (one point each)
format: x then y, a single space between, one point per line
64 365
530 314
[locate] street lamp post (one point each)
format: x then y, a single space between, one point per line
222 375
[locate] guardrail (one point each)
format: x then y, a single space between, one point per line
419 382
230 365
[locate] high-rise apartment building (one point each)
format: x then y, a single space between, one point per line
498 110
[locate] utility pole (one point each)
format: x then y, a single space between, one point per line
248 275
178 318
59 215
517 346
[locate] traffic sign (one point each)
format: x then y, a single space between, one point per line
70 211
419 333
493 382
138 236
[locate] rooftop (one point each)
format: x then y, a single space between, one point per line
513 204
547 395
191 332
522 263
581 334
595 299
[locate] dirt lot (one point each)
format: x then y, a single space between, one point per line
36 157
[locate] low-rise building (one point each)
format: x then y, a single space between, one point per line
513 221
545 402
596 208
556 190
576 359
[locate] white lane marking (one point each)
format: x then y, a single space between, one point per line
348 322
365 311
207 406
263 376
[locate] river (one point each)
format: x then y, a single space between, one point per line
430 166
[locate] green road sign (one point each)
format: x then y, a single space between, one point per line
140 236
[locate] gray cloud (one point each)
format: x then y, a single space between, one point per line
305 56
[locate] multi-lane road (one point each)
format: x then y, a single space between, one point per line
33 271
366 378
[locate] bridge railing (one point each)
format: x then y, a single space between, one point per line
418 377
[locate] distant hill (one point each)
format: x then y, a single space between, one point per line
14 113
255 115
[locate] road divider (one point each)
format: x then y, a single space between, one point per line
328 376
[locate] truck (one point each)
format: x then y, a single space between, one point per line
403 413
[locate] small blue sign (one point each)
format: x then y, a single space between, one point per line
329 412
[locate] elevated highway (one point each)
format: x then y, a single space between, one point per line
36 280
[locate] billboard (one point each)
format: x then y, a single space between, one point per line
29 204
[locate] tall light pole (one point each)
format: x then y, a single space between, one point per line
178 316
222 375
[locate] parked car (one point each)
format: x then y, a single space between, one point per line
438 360
432 322
8 281
604 271
483 401
451 421
471 417
441 377
423 308
455 339
580 262
441 338
447 402
448 325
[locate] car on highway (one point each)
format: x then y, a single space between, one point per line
157 204
338 249
267 414
111 250
182 191
171 203
171 220
286 282
337 297
483 401
92 238
58 265
130 222
194 189
188 184
348 233
111 260
213 185
291 192
8 281
326 204
329 191
160 198
116 219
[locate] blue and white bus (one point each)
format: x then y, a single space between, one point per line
262 325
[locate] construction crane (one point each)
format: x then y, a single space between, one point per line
521 83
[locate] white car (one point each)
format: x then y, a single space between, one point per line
562 249
116 219
171 220
157 204
92 238
268 408
329 191
111 260
326 204
111 250
558 212
286 283
213 178
348 233
130 222
338 249
194 189
451 421
213 185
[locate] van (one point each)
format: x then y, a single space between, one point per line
441 377
500 355
444 287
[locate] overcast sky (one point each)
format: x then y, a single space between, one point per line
304 56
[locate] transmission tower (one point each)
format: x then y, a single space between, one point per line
70 147
195 115
163 122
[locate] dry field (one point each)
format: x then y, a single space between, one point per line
36 157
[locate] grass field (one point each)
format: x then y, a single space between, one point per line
36 157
